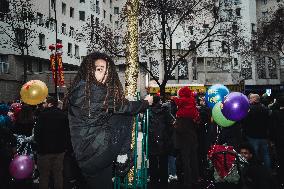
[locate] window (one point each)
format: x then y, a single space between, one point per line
143 51
41 41
209 45
82 15
63 8
4 8
264 2
116 10
140 22
190 28
116 23
97 22
110 3
154 66
192 44
20 36
4 65
69 53
116 39
63 28
178 45
104 14
264 13
82 1
97 7
40 19
235 26
71 32
236 45
281 61
238 11
51 24
224 46
205 28
236 63
77 51
59 41
71 12
183 70
30 66
110 18
52 4
104 1
253 28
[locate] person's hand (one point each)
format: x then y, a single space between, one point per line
149 99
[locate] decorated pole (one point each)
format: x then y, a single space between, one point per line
132 67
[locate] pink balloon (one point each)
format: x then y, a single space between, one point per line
21 167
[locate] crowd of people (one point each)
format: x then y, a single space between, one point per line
87 141
256 140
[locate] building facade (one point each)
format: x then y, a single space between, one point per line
219 60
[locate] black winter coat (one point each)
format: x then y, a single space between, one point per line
51 131
159 131
98 136
256 124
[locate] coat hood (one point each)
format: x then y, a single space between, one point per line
184 92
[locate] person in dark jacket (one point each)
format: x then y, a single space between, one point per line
7 151
254 175
186 137
100 119
51 136
256 129
24 121
159 144
278 137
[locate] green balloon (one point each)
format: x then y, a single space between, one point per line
219 118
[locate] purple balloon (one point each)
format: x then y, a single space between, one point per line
235 106
21 167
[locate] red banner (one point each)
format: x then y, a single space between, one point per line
60 71
52 66
60 74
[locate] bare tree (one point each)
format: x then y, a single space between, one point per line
19 20
191 23
270 33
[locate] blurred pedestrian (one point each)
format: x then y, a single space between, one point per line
256 128
186 136
51 136
159 144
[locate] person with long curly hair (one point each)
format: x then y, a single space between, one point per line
100 120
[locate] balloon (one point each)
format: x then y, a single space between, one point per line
34 92
21 167
219 118
236 106
215 94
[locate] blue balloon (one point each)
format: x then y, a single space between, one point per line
216 93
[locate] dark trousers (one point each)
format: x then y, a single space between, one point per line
280 154
158 171
51 163
102 180
5 160
189 161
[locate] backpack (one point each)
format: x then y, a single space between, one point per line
226 163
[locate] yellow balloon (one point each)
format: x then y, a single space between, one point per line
34 92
